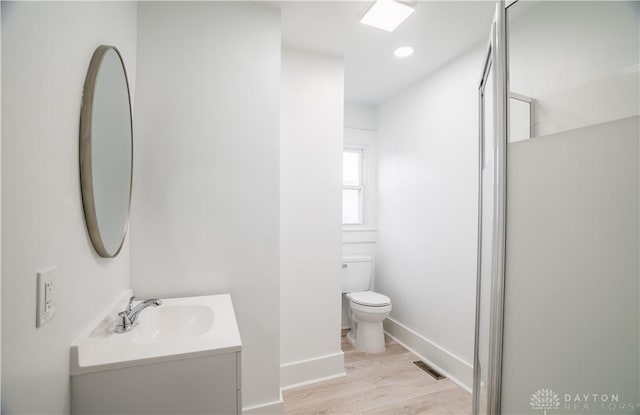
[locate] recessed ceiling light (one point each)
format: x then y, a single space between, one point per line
387 14
403 52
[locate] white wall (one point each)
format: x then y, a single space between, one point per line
360 116
46 49
205 216
427 213
572 276
312 97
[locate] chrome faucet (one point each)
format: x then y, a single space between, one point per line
128 318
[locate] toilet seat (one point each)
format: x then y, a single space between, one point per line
370 299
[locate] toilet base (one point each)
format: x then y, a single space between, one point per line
368 338
350 339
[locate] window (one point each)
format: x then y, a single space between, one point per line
352 186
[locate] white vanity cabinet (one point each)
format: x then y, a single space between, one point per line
190 369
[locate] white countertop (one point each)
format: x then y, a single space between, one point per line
180 328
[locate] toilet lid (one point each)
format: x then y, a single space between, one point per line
370 298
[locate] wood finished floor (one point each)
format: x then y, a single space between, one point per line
387 383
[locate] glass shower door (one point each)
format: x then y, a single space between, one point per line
572 293
491 214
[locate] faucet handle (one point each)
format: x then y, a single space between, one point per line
124 323
133 297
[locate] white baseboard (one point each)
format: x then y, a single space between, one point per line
306 372
312 381
454 368
269 408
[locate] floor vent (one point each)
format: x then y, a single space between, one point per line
434 373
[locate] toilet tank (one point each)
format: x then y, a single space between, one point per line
356 273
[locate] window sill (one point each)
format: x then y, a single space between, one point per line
360 235
357 228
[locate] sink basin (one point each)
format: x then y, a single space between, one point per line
172 322
179 328
182 357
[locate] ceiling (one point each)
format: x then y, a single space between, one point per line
437 30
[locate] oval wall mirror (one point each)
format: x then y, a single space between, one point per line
106 151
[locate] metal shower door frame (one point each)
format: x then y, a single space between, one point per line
495 65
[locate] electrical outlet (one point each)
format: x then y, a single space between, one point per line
46 296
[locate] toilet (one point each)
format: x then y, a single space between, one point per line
367 309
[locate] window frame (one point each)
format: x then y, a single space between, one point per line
361 150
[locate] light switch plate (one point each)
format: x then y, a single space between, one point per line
46 296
